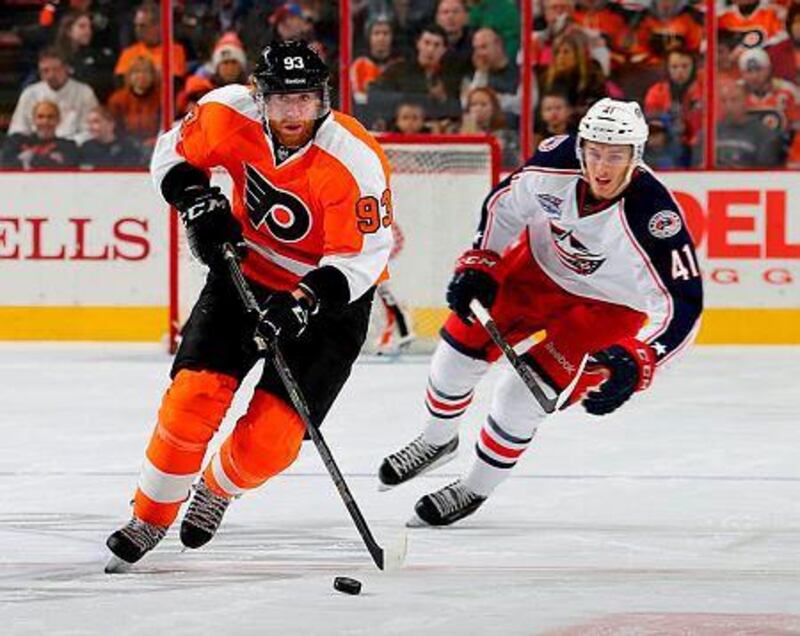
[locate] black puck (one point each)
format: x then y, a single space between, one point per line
347 585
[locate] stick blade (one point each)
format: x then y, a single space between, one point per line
394 555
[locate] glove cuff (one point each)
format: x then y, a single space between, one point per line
180 178
487 261
645 359
328 286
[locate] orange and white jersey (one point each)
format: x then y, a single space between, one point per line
764 27
777 108
329 203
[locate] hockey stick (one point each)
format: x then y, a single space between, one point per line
549 405
388 559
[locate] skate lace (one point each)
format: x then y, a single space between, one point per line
412 455
144 535
452 498
206 509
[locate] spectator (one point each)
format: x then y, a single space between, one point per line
73 98
574 73
495 70
290 22
196 86
147 27
727 64
560 19
501 16
772 100
484 115
452 16
137 105
662 151
409 119
679 100
598 20
668 25
793 28
367 68
425 79
743 141
228 61
556 117
42 148
754 24
90 64
105 148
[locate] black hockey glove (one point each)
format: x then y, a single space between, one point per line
630 365
206 215
284 316
477 276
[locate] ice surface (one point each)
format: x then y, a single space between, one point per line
678 515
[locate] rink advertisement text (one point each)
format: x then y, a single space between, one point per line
79 248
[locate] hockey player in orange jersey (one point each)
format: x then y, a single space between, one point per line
311 211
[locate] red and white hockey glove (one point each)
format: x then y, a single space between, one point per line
629 366
478 275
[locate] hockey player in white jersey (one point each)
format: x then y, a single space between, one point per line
586 243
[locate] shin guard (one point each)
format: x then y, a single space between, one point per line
191 412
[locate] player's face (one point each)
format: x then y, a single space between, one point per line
291 116
606 167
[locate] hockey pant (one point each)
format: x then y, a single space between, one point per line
527 303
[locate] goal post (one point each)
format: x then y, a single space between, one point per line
438 183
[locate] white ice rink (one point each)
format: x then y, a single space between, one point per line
678 515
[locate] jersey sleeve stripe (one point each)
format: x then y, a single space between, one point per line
489 215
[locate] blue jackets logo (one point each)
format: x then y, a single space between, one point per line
574 254
550 204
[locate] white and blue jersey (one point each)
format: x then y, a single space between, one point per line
633 250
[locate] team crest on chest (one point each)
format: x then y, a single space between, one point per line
550 204
278 212
665 224
573 253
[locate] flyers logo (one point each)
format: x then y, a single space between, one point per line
281 213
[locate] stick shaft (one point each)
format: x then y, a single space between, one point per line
301 406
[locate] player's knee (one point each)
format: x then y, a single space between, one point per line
454 373
276 432
513 406
195 405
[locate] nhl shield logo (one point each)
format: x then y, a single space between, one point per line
665 224
550 204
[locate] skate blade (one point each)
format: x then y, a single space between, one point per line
115 565
437 464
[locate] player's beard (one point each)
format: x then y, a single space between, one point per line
292 134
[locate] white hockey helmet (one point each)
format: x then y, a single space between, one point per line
611 121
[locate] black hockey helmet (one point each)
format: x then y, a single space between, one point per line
290 67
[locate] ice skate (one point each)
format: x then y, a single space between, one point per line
415 458
203 516
445 506
131 542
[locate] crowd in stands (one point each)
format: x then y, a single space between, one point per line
85 75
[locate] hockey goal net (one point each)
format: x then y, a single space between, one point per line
438 183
